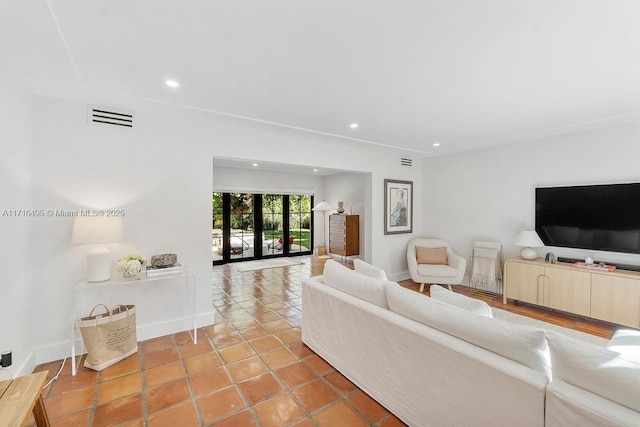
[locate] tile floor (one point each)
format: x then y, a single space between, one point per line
249 369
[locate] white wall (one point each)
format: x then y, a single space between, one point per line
160 173
16 250
489 194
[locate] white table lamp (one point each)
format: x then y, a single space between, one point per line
529 239
323 207
96 230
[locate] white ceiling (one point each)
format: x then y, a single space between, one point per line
465 73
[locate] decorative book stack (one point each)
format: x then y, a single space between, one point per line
163 271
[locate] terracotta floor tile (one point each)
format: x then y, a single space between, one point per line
241 419
190 349
596 328
167 395
278 358
561 320
219 329
296 374
260 388
72 401
300 349
203 362
246 323
314 395
183 415
339 415
368 406
340 382
162 357
66 383
391 421
227 339
76 419
119 411
278 325
164 374
318 364
157 344
210 381
254 332
304 423
267 317
184 337
246 368
289 336
236 352
120 387
127 366
265 344
220 403
278 411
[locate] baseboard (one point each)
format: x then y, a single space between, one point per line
60 350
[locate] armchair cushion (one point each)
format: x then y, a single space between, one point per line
436 270
431 255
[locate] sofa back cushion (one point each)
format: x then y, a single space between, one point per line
369 270
355 284
431 255
464 302
523 344
601 371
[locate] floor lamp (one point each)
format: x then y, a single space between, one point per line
323 207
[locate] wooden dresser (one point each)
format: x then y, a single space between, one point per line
344 234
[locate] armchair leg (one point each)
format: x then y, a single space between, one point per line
421 287
450 288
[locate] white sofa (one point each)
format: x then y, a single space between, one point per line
449 367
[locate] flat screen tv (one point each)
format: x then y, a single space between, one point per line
598 217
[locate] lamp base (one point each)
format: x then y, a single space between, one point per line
528 253
98 264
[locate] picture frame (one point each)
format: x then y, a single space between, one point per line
398 206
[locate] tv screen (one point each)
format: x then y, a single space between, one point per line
598 217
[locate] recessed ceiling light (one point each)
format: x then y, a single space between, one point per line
436 144
353 125
172 83
315 170
255 164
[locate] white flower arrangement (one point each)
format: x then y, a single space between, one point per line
131 264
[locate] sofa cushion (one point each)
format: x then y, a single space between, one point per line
437 270
356 284
627 343
431 255
520 343
369 270
595 369
473 305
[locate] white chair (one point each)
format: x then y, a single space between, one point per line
450 274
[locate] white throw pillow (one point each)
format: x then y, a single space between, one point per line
369 270
595 369
353 283
520 343
473 305
627 343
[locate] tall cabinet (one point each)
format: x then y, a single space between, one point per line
344 234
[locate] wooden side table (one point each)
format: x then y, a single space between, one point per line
20 396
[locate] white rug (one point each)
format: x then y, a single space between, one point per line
243 267
510 317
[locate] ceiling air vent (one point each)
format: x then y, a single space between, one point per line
104 116
406 162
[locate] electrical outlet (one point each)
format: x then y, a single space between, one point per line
6 358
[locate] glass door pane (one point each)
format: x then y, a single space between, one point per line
216 227
241 239
272 224
299 223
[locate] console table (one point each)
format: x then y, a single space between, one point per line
610 296
86 295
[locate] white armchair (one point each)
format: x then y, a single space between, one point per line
451 274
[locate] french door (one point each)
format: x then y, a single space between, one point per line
249 226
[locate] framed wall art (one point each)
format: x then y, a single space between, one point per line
398 206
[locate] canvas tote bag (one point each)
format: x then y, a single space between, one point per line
109 337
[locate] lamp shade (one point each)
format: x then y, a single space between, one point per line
323 206
530 239
96 229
